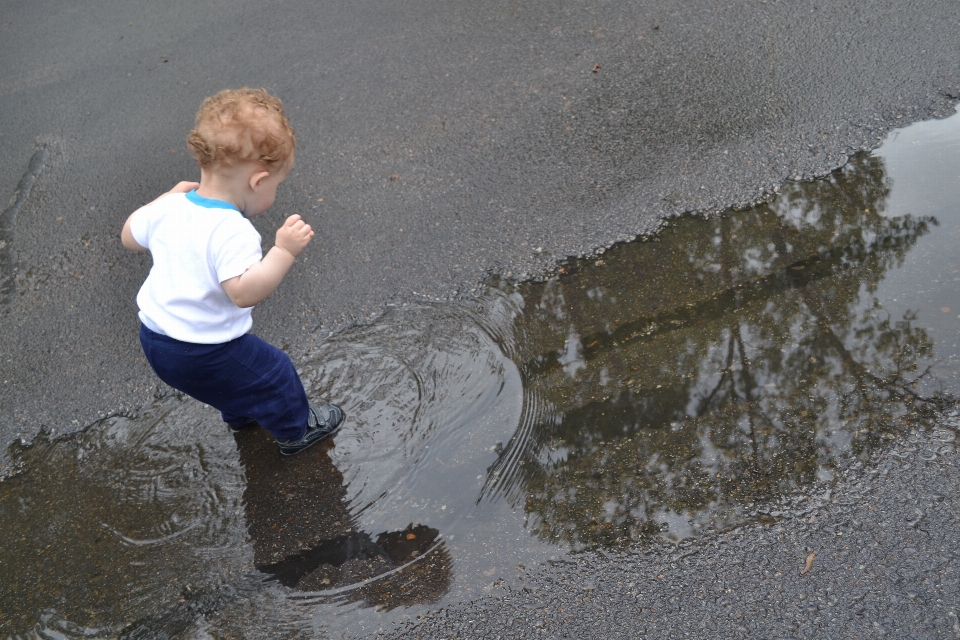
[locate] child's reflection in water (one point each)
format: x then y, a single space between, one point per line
303 536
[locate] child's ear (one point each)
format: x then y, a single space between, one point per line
257 178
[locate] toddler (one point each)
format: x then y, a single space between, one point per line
209 271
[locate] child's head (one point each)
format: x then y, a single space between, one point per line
240 126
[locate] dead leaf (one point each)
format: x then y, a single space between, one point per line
809 564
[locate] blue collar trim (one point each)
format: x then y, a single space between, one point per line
210 203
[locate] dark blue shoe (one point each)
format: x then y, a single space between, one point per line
237 428
322 421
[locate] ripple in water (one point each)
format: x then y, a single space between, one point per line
148 524
429 396
106 528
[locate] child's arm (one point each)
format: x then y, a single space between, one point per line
126 236
256 283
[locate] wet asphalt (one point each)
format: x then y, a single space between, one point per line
440 142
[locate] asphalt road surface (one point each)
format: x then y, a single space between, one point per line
438 142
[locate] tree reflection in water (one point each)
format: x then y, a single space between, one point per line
720 366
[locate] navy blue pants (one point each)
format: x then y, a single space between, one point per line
246 378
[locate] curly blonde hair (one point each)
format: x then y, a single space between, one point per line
241 125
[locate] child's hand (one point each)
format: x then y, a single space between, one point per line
184 187
294 235
256 283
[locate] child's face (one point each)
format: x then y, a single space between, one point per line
266 192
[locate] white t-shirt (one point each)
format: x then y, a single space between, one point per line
196 243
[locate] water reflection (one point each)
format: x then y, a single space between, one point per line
678 383
305 537
143 525
128 527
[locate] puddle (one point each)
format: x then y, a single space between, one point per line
691 382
